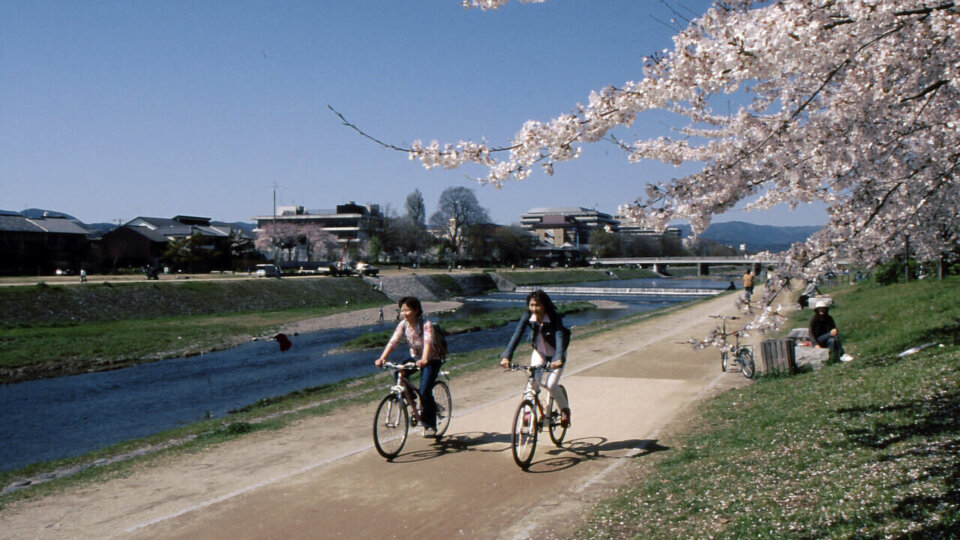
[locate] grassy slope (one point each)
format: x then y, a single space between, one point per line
867 449
47 330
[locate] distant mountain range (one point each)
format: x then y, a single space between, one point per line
756 237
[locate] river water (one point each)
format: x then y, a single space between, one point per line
49 419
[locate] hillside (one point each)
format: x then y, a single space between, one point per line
756 237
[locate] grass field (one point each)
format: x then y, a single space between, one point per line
867 449
60 330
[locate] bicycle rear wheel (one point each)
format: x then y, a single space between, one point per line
745 358
557 430
441 395
723 361
390 426
523 436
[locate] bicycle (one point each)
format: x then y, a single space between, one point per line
531 417
742 354
400 409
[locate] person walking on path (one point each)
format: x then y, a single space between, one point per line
549 341
824 333
419 335
748 283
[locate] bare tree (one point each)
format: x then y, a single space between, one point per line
457 210
416 210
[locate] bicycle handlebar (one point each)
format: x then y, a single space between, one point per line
403 366
528 369
730 317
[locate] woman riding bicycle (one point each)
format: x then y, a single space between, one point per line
419 335
549 341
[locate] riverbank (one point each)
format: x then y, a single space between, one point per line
323 425
272 412
112 322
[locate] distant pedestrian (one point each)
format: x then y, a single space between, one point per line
380 320
748 283
83 275
810 291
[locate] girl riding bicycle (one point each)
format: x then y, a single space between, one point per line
549 341
419 335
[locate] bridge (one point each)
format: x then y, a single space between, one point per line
622 291
703 264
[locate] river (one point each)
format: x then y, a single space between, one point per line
49 419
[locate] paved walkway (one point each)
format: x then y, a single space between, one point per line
322 478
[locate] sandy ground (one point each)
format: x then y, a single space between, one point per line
362 317
321 477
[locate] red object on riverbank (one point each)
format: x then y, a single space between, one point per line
284 342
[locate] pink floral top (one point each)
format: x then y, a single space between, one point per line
415 338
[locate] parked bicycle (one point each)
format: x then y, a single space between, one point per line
532 417
742 355
400 409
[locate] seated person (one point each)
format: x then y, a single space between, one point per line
824 334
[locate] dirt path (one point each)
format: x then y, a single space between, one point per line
322 478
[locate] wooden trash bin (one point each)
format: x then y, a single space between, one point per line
779 356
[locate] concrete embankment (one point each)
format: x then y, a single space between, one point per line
435 287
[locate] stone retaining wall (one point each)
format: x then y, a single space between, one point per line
432 289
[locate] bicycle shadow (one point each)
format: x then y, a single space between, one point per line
457 443
587 449
583 450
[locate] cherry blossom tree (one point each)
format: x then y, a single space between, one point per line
291 237
854 103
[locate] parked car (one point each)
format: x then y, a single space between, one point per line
364 269
268 270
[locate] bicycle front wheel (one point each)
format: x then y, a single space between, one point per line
524 434
745 358
390 426
557 430
723 361
441 395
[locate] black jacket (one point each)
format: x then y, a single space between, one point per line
820 326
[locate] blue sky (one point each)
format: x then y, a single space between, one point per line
111 110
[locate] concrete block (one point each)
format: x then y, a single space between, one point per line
811 356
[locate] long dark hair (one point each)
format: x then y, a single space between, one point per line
545 301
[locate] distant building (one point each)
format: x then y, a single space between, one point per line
141 242
41 245
564 233
630 227
352 223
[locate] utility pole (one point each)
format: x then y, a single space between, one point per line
274 223
906 258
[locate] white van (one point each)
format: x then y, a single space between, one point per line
268 270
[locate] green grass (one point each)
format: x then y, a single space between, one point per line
867 449
473 323
76 347
59 330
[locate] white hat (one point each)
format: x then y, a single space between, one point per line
821 304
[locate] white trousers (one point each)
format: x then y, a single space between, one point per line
552 380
